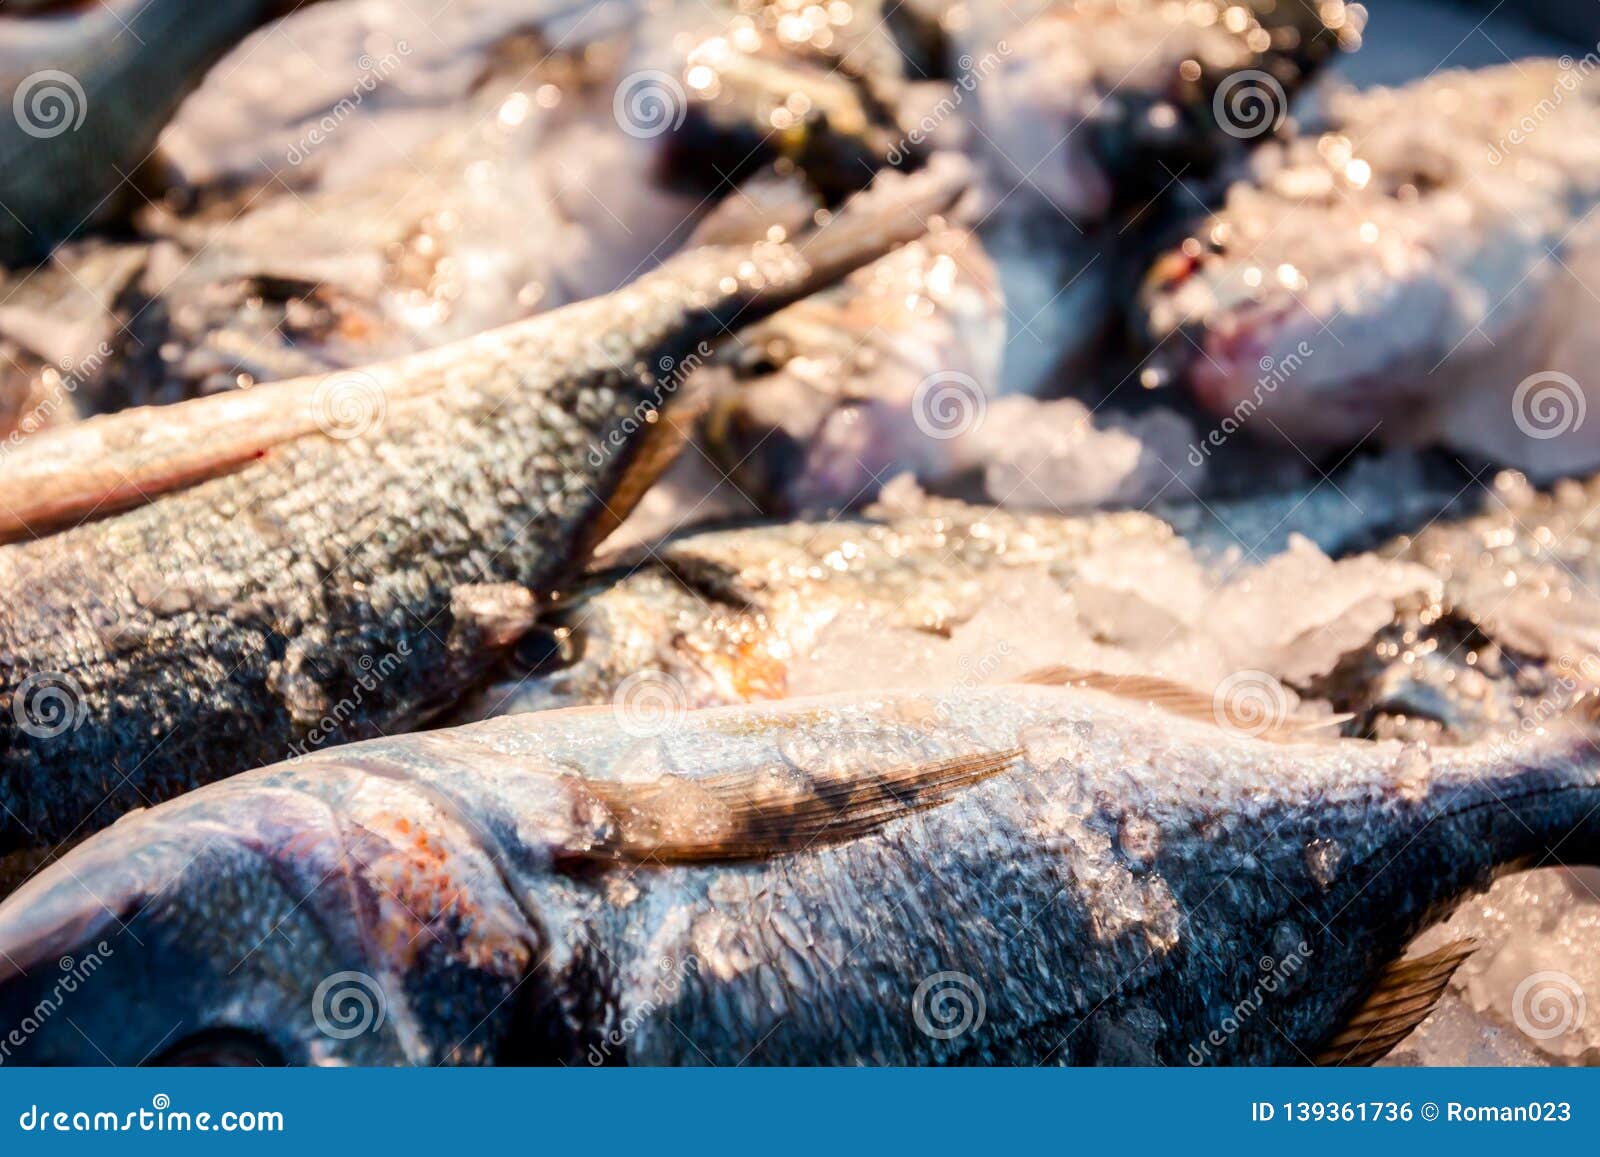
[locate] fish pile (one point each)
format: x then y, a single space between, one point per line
794 532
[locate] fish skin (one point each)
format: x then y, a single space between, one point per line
1479 244
56 184
221 626
724 615
1486 659
1092 106
1111 896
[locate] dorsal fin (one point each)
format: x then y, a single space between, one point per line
1171 696
1404 995
761 814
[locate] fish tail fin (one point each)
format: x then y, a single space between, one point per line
896 209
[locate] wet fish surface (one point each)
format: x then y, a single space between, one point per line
1100 879
343 555
91 89
1410 267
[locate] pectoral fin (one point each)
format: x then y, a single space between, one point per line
1405 994
772 812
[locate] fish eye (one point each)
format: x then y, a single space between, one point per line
222 1048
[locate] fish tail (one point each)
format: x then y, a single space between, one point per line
896 209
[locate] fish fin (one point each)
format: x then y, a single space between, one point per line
649 457
1177 698
1152 689
757 815
1404 995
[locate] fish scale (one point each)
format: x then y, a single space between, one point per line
1108 891
325 588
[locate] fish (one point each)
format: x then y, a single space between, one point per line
1094 107
1409 266
1509 637
1069 113
924 591
321 559
91 87
1023 874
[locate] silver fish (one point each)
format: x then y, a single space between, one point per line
1411 267
1015 874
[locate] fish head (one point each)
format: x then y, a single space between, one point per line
190 936
325 911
